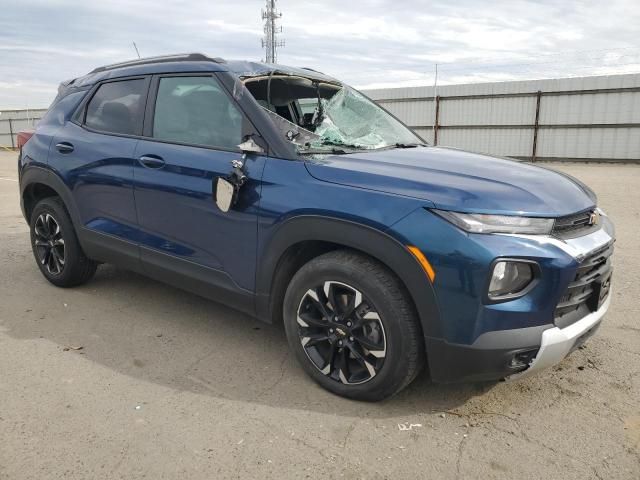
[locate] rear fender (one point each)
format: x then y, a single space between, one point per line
32 175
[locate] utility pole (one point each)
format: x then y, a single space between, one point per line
270 41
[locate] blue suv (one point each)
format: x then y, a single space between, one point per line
290 196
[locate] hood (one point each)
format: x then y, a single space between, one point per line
451 179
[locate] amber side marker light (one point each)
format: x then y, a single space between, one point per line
424 263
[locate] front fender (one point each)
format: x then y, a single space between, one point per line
366 239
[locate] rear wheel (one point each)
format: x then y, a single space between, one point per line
353 327
56 247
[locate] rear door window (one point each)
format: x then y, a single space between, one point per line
118 107
196 111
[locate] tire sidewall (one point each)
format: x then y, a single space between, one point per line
392 374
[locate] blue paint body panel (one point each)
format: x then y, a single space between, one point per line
462 262
99 172
175 203
461 181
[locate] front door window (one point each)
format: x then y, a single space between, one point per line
196 111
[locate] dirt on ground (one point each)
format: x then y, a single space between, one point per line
128 378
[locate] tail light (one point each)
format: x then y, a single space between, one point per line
24 136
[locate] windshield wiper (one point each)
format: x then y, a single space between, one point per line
332 151
409 145
309 147
341 144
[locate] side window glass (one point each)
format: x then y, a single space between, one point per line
118 107
196 111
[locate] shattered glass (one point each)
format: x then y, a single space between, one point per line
297 135
351 120
324 117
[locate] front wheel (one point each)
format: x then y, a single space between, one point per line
353 327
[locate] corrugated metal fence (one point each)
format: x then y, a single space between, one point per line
580 119
12 121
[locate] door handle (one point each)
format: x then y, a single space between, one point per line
64 147
151 161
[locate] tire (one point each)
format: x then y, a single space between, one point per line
374 349
55 245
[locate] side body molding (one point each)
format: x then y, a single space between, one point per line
351 234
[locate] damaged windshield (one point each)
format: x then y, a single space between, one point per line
320 117
352 120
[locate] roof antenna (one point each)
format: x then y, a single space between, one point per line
136 47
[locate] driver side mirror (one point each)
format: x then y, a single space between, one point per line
226 189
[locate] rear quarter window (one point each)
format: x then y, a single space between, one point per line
117 107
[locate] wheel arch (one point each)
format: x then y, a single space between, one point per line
37 183
302 238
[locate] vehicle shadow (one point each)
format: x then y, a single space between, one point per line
155 333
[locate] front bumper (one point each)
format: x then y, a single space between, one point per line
557 343
493 354
480 341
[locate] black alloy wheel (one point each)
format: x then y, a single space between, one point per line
341 332
352 326
49 243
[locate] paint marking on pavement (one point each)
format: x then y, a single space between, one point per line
8 179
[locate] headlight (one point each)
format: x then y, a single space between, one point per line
510 278
481 223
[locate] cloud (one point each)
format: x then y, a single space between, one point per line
369 43
228 27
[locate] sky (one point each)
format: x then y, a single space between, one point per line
366 43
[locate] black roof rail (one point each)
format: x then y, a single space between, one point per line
184 57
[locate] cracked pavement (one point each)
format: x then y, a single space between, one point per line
169 385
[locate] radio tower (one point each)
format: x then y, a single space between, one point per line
270 41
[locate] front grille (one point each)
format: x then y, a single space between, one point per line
574 225
579 299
